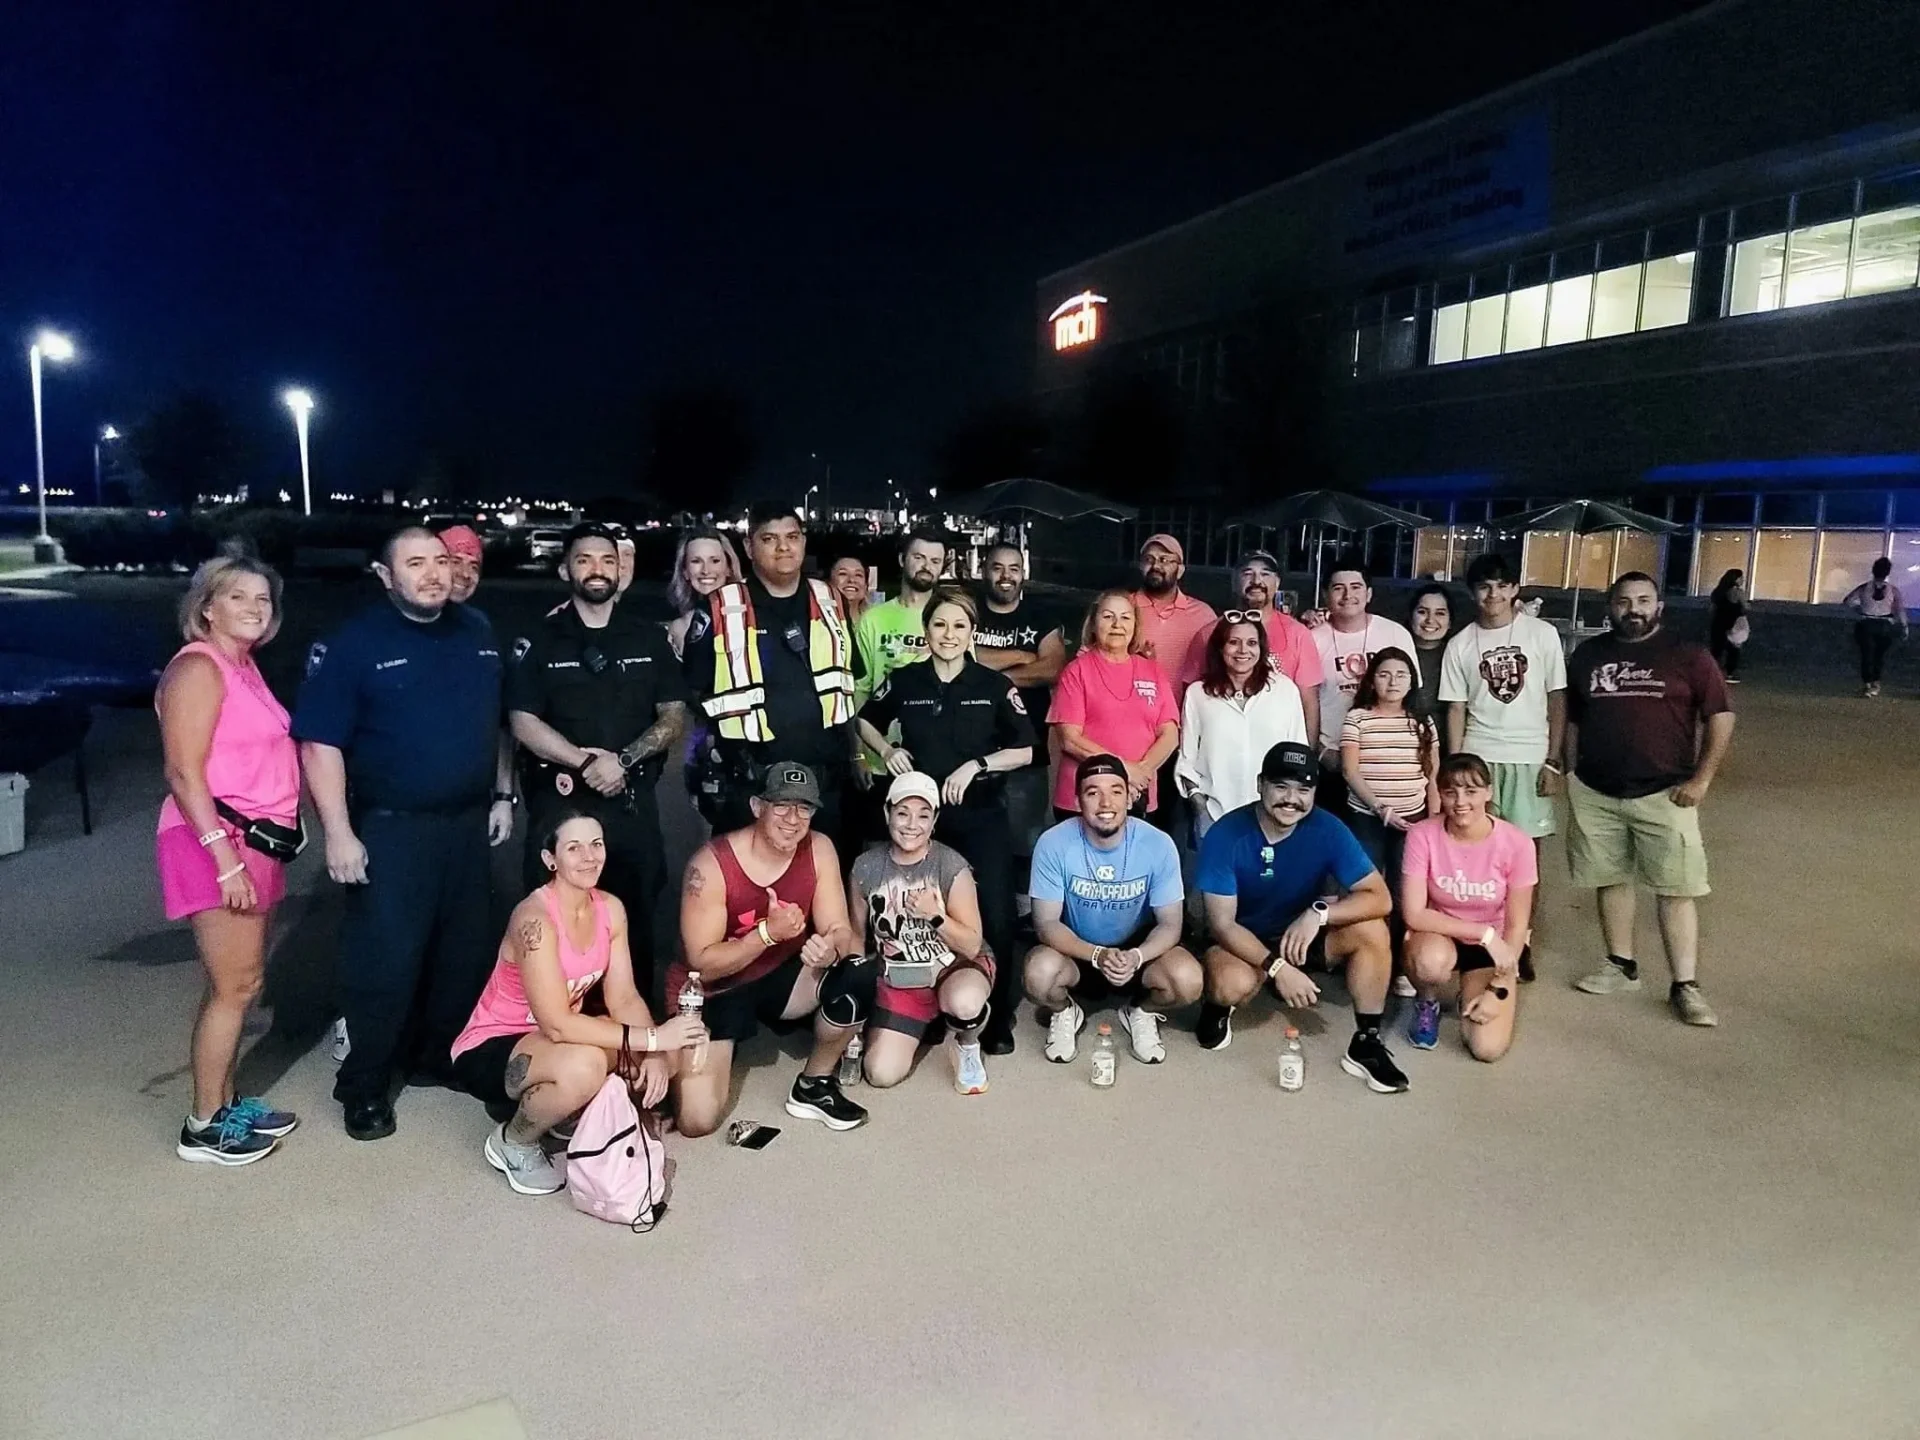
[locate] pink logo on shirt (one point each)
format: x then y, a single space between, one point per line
1147 690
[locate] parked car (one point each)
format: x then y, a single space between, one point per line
544 546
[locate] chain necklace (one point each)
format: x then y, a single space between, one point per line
1101 665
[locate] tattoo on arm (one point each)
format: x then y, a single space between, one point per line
531 934
696 878
516 1081
660 735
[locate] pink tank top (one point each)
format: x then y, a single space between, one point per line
252 763
503 1008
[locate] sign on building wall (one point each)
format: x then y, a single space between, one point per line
1474 184
1076 322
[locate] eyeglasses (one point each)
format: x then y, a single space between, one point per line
1241 617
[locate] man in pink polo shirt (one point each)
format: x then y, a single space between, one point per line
1289 643
1172 623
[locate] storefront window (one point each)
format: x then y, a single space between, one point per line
1443 552
1720 551
1543 558
1782 565
1846 559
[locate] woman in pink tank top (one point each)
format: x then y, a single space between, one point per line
225 739
527 1043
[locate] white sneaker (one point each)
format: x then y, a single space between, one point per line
341 1046
1403 987
1063 1033
1143 1034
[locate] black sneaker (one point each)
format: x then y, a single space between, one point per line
818 1097
1368 1059
1214 1029
1526 964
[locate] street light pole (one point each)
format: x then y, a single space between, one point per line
301 403
49 345
105 435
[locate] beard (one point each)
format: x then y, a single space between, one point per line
1154 583
1634 627
595 590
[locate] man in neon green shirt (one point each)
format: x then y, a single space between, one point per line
893 634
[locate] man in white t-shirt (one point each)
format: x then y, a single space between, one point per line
1347 642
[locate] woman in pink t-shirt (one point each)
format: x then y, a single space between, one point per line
225 742
1110 700
1466 896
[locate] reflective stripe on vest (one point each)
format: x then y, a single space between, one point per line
739 700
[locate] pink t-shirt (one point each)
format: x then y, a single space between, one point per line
1470 882
251 762
1120 707
1174 629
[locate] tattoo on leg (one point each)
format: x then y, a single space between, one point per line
516 1082
531 934
521 1130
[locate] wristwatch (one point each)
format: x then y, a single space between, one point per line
627 762
505 797
1322 911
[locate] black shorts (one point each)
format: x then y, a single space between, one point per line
1470 957
737 1014
1093 989
482 1071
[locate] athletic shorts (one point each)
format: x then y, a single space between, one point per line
190 880
738 1014
1650 840
482 1070
910 1011
1516 799
1092 989
1470 957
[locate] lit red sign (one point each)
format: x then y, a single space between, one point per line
1076 322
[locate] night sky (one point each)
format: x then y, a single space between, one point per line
490 231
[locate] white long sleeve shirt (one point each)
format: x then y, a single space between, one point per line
1222 742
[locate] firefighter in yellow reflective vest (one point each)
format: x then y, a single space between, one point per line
772 663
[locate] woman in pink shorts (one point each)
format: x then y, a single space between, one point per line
226 744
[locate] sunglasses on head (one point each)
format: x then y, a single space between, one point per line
1241 617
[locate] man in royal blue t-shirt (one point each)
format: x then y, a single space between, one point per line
1107 906
1288 889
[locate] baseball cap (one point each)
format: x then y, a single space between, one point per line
1290 760
588 530
790 784
1168 542
1095 765
462 540
913 785
1260 557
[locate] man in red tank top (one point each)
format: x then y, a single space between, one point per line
763 921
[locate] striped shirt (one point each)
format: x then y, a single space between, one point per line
1389 760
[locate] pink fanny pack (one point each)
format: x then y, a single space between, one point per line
616 1165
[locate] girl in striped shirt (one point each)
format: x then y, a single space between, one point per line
1389 753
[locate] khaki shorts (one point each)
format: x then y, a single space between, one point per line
1651 840
1516 799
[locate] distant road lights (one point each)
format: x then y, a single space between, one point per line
300 402
47 345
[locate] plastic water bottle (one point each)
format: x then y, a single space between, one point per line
850 1062
693 1001
1104 1058
1293 1062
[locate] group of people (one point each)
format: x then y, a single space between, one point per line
1192 807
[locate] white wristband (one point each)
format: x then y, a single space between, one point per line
1488 936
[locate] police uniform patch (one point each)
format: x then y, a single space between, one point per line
316 653
698 626
520 648
563 782
1013 699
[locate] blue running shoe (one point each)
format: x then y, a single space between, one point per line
263 1119
226 1140
1423 1030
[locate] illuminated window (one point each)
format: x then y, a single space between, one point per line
1449 334
1486 317
1669 293
1443 552
1616 301
1543 558
1782 565
1721 551
1526 318
1757 267
1886 252
1817 263
1846 559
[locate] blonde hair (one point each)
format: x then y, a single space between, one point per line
1093 611
679 593
213 576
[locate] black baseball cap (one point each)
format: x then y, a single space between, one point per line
1259 557
1095 765
1290 760
790 784
588 530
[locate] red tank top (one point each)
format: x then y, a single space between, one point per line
747 906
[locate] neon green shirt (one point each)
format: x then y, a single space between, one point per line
887 636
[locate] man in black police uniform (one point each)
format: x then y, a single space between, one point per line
397 721
596 699
805 659
1023 638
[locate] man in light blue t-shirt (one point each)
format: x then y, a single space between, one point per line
1107 906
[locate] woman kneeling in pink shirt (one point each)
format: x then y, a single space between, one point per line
1466 897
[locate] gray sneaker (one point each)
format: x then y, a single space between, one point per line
1609 979
528 1170
1691 1006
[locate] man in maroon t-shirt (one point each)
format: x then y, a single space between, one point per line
1648 723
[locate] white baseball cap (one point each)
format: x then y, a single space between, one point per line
913 784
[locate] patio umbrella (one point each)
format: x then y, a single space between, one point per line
1324 508
1039 497
1586 517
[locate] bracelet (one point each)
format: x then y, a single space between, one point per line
1487 937
1549 765
766 935
217 833
227 875
653 1039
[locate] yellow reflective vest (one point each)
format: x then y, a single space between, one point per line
738 704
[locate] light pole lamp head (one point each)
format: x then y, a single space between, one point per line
109 433
300 402
52 345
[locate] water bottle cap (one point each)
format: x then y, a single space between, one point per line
1292 1034
1105 1029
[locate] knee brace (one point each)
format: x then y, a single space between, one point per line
954 1022
847 993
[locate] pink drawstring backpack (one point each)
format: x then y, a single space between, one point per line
616 1165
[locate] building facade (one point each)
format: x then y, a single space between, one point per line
1683 272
